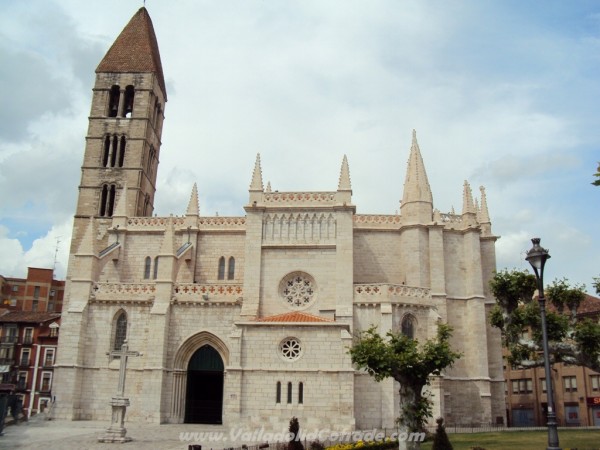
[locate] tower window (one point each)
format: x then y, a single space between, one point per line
301 392
122 151
221 274
128 104
231 268
289 393
113 156
106 153
107 200
147 264
113 101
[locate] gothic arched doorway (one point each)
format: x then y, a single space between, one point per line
204 391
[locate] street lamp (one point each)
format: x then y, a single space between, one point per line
537 257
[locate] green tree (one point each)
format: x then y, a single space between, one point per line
596 182
410 364
571 339
596 285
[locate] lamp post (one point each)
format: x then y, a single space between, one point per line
537 257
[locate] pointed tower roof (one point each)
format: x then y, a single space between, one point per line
135 50
257 183
193 209
416 187
416 184
344 182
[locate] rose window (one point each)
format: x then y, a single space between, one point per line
290 349
298 290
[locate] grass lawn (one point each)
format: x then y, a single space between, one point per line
523 440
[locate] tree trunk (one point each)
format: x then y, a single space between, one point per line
408 396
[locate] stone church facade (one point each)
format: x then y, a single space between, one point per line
248 320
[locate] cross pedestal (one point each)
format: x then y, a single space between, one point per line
117 432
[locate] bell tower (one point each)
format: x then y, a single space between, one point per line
125 125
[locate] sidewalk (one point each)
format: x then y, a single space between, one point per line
39 433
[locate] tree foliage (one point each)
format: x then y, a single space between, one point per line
571 339
295 443
596 182
409 363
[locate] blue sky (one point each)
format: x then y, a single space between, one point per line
503 94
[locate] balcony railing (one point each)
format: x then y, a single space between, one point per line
7 361
27 340
48 362
21 385
24 362
45 387
8 339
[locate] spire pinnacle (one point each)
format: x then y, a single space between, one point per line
193 209
344 181
468 206
416 186
484 213
257 183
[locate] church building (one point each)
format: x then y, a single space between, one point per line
247 321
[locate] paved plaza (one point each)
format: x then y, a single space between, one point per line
39 433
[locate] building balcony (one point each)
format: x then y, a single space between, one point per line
27 340
21 386
10 340
24 362
6 361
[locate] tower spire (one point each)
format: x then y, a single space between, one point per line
344 181
257 182
193 209
468 205
417 200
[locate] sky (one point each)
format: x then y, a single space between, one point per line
503 94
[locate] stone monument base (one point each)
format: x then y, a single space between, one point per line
117 433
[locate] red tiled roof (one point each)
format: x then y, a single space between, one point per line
295 316
135 50
589 305
28 317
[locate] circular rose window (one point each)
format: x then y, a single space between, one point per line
290 349
298 290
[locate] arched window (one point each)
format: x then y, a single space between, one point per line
122 151
111 200
120 333
113 156
113 101
301 392
408 326
289 392
231 268
147 264
107 200
221 275
155 274
106 151
128 103
278 393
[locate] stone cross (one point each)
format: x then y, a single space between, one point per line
124 354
